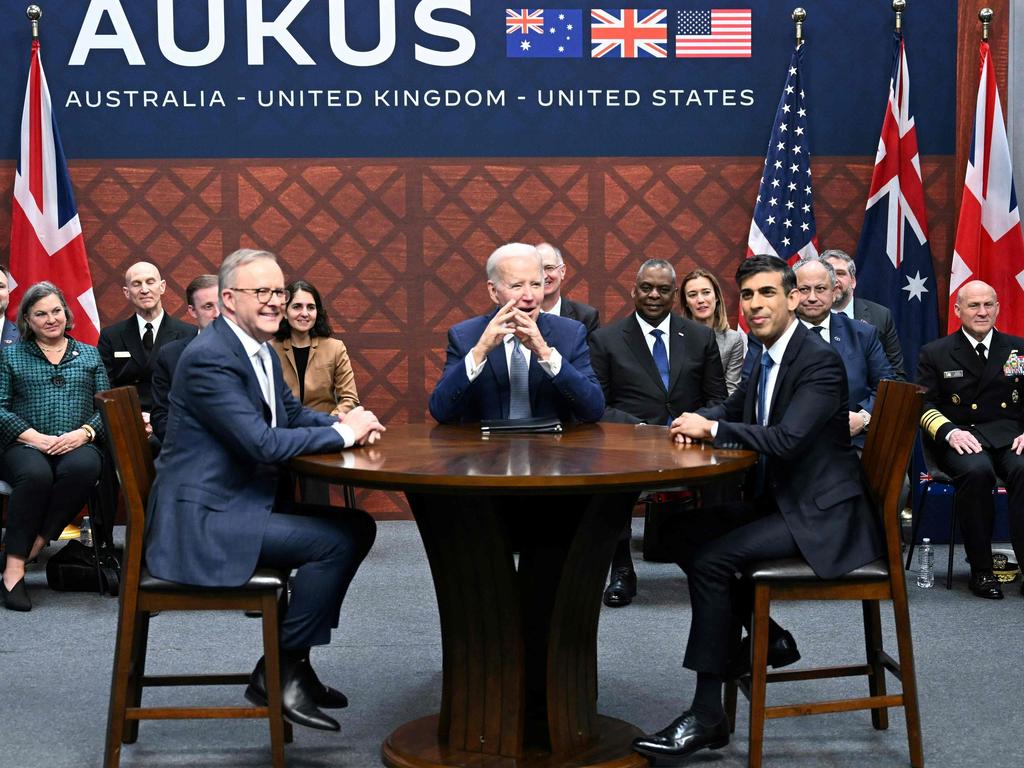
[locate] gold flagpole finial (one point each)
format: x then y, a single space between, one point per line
985 16
34 14
899 6
799 16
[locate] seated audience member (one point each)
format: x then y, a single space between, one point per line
861 309
857 343
201 304
517 362
809 500
48 429
9 334
652 366
553 301
316 367
701 300
974 424
129 348
215 512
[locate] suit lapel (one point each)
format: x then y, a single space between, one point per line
133 342
967 356
839 334
252 384
499 370
536 372
997 354
637 344
783 386
676 350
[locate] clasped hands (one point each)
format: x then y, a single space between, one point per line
508 320
364 424
56 445
689 428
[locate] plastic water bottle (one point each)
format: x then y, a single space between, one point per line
85 532
925 564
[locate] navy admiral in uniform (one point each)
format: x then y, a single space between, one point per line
974 420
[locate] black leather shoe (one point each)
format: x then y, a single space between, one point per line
297 697
323 695
782 652
16 599
674 744
984 584
621 587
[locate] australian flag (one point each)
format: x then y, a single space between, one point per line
894 261
543 33
783 222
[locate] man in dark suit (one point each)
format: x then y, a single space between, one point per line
216 511
652 366
857 343
974 422
516 362
862 309
129 348
9 334
810 501
553 301
203 307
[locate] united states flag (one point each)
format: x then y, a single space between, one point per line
989 244
629 33
719 33
783 223
894 260
46 235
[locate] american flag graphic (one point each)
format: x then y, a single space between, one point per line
718 33
629 33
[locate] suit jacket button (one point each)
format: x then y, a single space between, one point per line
974 406
1003 405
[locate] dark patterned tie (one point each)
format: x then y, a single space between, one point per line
147 338
660 356
820 330
519 383
981 352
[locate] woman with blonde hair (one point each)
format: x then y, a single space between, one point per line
701 300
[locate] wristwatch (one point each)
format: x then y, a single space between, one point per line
866 418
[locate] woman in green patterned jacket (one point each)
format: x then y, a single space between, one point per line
48 428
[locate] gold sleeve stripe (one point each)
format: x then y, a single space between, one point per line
932 420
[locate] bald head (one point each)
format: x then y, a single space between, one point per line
144 288
977 307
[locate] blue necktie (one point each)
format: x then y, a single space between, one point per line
660 356
762 389
519 384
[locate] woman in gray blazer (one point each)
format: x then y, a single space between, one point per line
701 300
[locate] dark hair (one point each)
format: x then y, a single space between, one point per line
719 321
320 328
35 294
755 265
198 284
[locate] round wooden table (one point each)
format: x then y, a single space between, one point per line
519 633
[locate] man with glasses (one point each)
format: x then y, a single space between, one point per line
553 301
220 507
857 343
653 365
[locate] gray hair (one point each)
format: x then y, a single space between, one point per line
235 261
835 253
829 269
556 251
35 294
656 264
507 251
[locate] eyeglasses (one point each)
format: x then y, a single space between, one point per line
549 268
263 294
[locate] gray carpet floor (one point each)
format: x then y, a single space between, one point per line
55 672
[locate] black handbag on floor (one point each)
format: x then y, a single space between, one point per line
75 569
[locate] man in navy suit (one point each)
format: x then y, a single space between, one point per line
856 342
9 334
517 362
215 512
809 499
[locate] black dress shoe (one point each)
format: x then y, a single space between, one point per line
621 587
16 599
323 695
684 736
782 652
297 697
984 584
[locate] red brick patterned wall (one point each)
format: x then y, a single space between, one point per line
397 246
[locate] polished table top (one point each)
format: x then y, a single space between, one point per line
584 458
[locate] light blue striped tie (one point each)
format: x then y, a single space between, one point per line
519 383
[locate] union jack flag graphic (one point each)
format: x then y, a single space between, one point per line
524 21
629 33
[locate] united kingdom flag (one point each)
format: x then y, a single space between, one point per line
46 235
629 33
524 21
894 260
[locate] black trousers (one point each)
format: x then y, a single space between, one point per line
48 492
974 476
326 545
716 543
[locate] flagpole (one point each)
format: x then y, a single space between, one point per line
34 14
899 6
985 16
799 15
